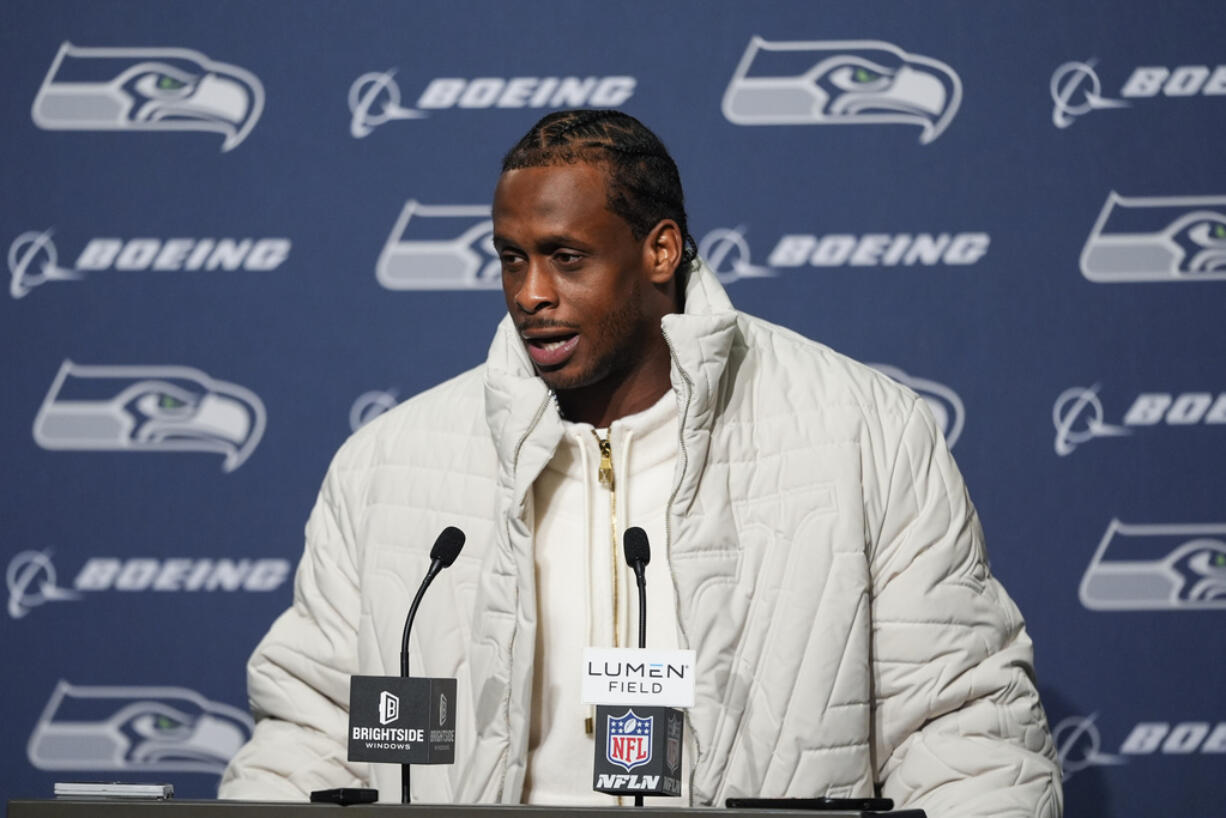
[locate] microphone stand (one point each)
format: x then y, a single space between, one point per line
404 664
640 576
445 550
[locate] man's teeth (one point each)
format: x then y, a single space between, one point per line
551 345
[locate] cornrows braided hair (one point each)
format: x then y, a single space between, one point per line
644 184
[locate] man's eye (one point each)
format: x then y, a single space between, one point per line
563 257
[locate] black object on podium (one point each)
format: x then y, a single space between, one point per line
402 720
638 750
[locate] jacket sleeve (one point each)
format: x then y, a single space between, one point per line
298 676
958 728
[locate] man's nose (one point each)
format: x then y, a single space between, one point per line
536 290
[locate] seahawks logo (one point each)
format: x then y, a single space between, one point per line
147 89
151 409
136 729
1157 567
853 82
1157 238
440 247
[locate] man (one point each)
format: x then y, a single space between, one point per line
812 539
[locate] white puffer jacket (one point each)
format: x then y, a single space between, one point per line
829 568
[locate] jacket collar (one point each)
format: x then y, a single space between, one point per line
523 419
700 340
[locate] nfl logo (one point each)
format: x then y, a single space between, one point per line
629 742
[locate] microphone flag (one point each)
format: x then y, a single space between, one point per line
638 750
402 720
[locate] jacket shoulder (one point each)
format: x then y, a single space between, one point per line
813 372
423 424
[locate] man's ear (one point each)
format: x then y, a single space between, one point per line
662 250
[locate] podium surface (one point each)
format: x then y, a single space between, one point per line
172 808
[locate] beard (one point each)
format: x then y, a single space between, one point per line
616 345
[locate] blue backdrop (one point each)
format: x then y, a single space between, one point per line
235 231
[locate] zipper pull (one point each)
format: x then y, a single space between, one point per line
605 473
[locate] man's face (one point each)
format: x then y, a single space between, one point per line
577 283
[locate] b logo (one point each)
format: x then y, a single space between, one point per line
389 707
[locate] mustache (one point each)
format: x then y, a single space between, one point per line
544 323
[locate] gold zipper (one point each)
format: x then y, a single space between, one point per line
604 475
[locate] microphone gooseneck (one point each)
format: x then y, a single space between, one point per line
444 552
442 555
638 554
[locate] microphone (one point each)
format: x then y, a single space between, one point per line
399 719
638 554
444 552
638 747
446 549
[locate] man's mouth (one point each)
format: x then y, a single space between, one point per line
551 351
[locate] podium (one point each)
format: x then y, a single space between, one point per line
112 808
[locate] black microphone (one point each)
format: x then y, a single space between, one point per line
638 554
446 549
